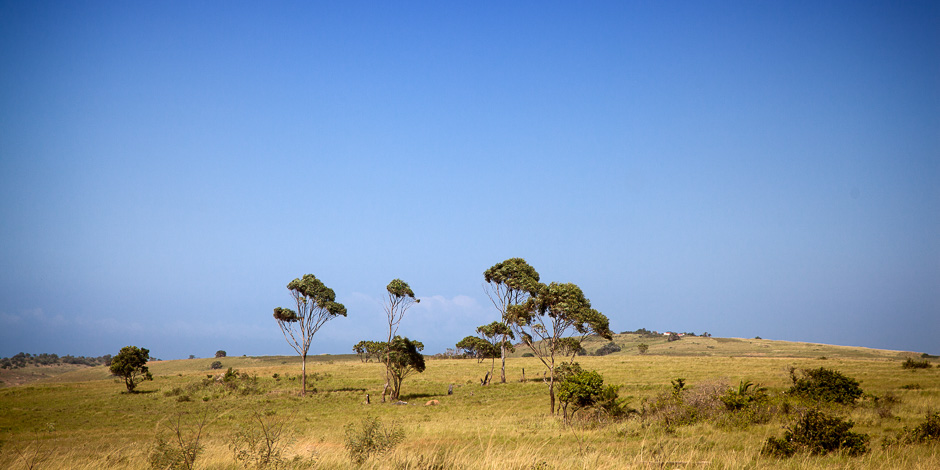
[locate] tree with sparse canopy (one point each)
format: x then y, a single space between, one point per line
403 357
316 304
545 319
511 282
400 299
495 334
131 365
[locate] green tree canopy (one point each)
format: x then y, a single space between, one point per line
510 282
131 365
544 321
400 299
403 359
316 304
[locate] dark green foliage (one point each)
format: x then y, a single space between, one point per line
817 433
371 438
580 389
220 353
912 364
745 395
923 433
403 358
515 275
642 348
476 347
131 365
316 304
528 354
26 359
216 365
369 350
825 385
608 348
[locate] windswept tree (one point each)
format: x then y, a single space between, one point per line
131 365
545 320
403 358
477 347
511 282
316 304
497 335
400 299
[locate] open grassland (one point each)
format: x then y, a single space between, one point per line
81 419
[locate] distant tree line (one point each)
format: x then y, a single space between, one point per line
26 359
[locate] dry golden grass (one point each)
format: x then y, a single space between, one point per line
82 420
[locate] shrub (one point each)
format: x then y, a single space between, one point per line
642 348
259 445
912 364
370 438
220 353
825 385
817 433
216 365
928 431
585 389
608 348
528 354
181 449
746 394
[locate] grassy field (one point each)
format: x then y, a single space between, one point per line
80 418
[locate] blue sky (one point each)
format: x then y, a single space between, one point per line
741 168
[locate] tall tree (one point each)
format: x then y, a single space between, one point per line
403 357
400 299
511 282
544 321
497 336
131 365
316 305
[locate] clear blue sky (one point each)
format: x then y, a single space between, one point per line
742 168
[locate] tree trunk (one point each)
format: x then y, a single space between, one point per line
502 355
551 392
303 377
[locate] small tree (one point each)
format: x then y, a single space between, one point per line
400 299
497 335
545 319
642 348
476 347
403 358
131 365
581 389
316 304
219 353
509 283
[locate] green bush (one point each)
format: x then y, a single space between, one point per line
912 364
817 433
370 438
585 389
528 354
608 348
928 431
825 385
746 394
216 365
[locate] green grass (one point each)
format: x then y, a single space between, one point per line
82 419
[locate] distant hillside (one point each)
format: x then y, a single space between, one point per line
660 345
